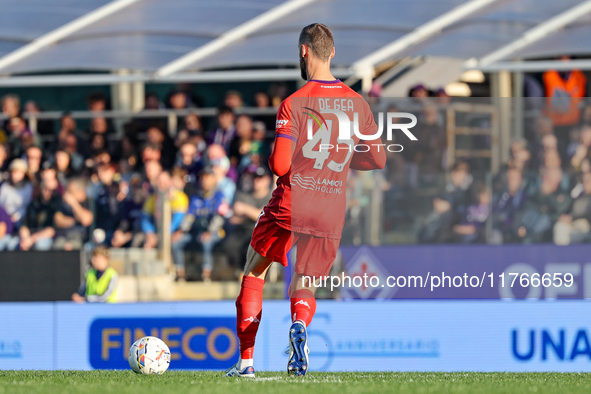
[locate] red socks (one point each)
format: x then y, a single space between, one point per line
303 306
249 306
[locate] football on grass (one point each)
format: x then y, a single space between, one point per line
149 356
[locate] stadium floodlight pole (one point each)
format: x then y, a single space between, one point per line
533 35
364 67
231 36
63 31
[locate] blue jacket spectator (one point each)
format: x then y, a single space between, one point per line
204 223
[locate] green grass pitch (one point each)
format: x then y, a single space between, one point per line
103 382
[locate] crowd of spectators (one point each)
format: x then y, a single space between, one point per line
543 193
96 186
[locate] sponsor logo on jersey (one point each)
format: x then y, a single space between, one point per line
323 185
252 319
331 87
280 123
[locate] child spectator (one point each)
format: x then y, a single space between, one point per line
100 283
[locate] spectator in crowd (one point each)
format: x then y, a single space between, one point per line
100 283
204 223
459 189
520 156
7 240
153 102
226 131
472 227
581 150
11 108
190 160
438 224
179 203
241 145
73 217
575 226
20 137
193 132
151 152
178 99
564 92
129 232
246 210
157 138
44 126
49 177
97 102
4 160
441 97
216 153
77 155
432 142
224 184
507 204
534 223
99 143
179 179
37 230
262 101
107 201
33 157
127 151
63 166
17 192
152 170
233 99
99 125
68 126
419 92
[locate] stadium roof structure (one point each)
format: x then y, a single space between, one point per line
89 42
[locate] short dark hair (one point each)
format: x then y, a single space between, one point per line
96 96
319 40
101 250
224 109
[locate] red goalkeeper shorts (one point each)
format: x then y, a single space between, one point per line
314 257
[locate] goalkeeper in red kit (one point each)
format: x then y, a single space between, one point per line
322 130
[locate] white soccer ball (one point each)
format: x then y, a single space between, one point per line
149 355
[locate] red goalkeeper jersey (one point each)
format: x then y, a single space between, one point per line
319 120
